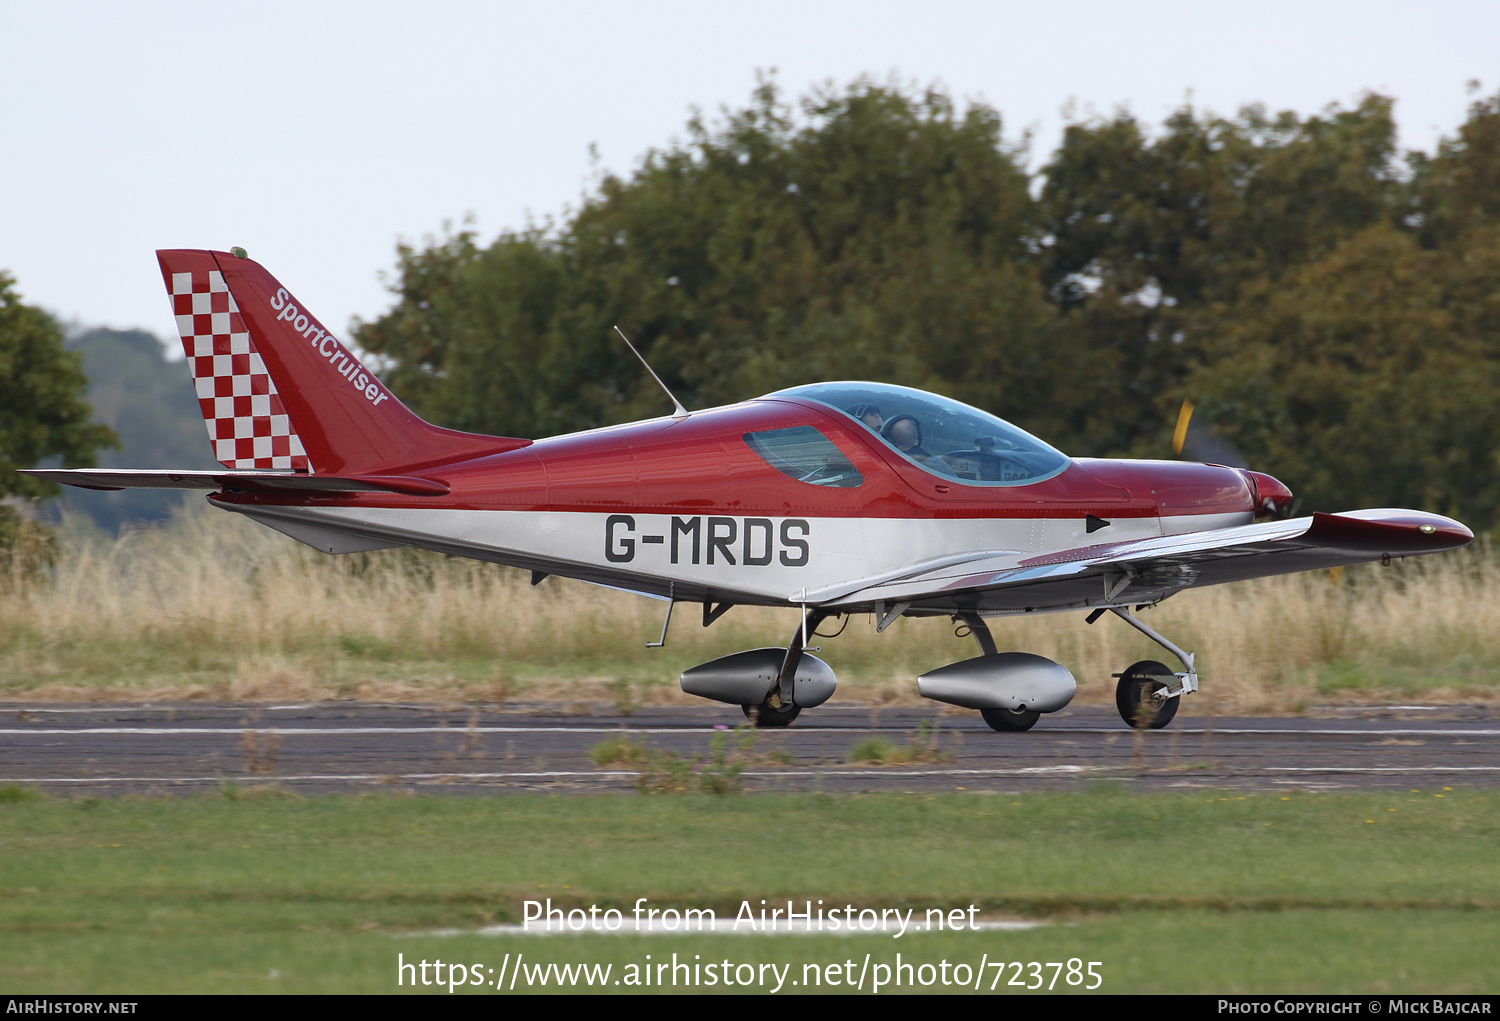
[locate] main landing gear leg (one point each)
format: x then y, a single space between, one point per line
1148 693
780 707
998 719
981 632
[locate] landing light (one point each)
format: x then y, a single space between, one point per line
1427 529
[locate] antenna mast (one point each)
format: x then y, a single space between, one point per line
679 411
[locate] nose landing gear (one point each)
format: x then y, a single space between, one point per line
1148 693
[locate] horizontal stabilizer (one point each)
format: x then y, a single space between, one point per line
238 481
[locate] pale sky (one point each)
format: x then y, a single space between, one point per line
317 135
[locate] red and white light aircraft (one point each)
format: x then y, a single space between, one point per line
835 498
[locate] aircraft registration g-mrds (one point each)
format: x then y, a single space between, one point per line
832 498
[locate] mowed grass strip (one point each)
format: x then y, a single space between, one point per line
273 892
216 864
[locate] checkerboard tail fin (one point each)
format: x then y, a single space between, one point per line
279 391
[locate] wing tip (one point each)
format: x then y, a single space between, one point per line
1395 531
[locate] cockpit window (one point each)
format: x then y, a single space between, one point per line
806 455
939 435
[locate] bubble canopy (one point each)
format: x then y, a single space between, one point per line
941 436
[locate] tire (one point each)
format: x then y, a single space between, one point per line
1137 696
1010 719
764 715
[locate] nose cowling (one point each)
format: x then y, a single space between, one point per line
1179 490
1271 496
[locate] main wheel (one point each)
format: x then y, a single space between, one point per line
1010 719
767 715
1141 695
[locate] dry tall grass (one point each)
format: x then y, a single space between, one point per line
213 606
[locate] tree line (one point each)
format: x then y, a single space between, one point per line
43 415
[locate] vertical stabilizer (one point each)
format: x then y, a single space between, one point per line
279 391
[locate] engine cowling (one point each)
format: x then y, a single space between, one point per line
1007 680
746 678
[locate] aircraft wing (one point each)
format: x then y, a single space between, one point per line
242 481
1148 570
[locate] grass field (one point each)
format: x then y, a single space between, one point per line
1204 891
216 607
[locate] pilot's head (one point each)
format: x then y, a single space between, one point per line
869 414
904 432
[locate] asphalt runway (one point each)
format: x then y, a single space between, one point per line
169 749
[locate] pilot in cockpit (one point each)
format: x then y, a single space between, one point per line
905 434
869 414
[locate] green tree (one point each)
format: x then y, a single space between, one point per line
42 411
1366 374
1370 376
880 235
1459 187
1150 241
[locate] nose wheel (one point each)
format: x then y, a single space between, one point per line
1148 693
1142 695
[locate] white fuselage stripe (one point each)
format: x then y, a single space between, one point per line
773 558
